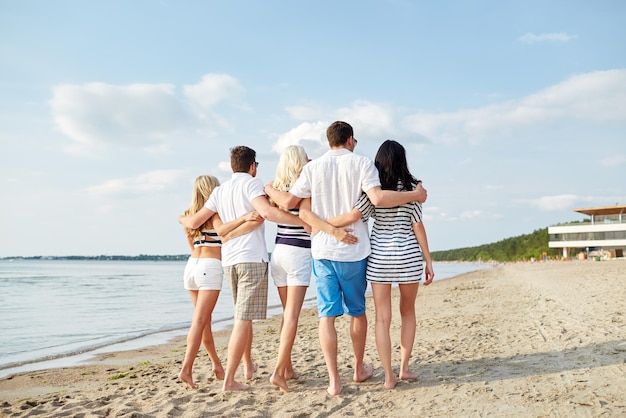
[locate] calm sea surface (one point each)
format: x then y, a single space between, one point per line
56 313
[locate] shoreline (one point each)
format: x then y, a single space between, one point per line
521 339
84 355
90 354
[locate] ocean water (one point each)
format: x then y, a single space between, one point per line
57 313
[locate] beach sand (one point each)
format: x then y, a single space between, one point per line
523 339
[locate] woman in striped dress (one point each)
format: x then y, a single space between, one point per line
400 255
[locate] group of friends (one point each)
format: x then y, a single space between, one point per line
321 208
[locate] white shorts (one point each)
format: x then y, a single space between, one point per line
290 265
203 274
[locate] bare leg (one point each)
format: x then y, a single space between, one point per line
382 302
408 293
185 374
249 367
207 334
284 369
200 331
237 344
283 294
328 341
358 334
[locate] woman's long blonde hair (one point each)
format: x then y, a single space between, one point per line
203 186
290 165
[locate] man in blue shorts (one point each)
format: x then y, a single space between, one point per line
334 182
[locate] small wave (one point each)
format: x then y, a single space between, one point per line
94 347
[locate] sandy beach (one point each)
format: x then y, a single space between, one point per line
523 339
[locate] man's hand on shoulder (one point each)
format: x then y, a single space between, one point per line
421 194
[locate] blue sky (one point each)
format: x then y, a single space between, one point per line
512 113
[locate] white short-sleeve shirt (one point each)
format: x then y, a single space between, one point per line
334 182
232 200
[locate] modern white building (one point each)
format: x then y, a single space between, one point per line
604 232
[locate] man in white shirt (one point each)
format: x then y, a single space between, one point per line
244 258
334 183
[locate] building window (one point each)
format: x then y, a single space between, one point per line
588 236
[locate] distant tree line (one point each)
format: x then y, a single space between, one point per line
141 257
523 247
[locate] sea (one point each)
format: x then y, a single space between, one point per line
61 313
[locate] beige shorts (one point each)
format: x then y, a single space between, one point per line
248 284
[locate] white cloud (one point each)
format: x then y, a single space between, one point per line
374 118
470 214
213 89
101 114
224 167
437 214
315 132
553 203
145 183
303 112
593 97
531 38
614 160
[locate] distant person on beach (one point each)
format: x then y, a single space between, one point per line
244 258
290 266
400 255
334 183
203 274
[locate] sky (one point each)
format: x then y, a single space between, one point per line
512 113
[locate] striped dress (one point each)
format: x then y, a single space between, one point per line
396 256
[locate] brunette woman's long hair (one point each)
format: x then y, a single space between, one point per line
392 166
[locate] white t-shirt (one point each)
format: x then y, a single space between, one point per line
232 200
334 182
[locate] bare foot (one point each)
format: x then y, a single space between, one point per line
408 375
277 380
391 383
234 386
334 390
218 371
187 380
249 370
364 373
290 375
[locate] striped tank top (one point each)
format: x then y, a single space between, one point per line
209 239
294 235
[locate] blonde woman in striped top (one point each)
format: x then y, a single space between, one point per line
290 266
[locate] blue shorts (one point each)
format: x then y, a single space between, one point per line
340 287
